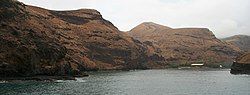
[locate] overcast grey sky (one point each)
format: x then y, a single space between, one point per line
223 17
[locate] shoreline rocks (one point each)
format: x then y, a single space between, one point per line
241 65
41 78
239 68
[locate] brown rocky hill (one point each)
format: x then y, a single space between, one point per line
241 41
36 41
241 65
185 45
244 59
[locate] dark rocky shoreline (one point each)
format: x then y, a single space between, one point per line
238 68
241 65
47 78
40 78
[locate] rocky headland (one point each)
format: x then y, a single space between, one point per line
241 65
37 41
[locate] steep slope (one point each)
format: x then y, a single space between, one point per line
185 45
241 65
36 41
241 41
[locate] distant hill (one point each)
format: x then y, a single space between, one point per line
185 45
241 41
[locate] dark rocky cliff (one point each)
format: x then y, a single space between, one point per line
36 41
241 65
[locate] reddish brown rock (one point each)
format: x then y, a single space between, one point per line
185 45
36 41
241 41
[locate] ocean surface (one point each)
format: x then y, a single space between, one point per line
139 82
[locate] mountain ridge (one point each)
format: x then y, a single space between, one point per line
241 41
187 44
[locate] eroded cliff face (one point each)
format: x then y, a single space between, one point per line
185 45
36 41
241 65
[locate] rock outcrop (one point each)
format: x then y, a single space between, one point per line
241 65
185 45
241 41
36 41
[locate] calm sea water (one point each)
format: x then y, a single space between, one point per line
141 82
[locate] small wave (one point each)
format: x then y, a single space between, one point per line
3 81
244 75
60 81
77 80
80 80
